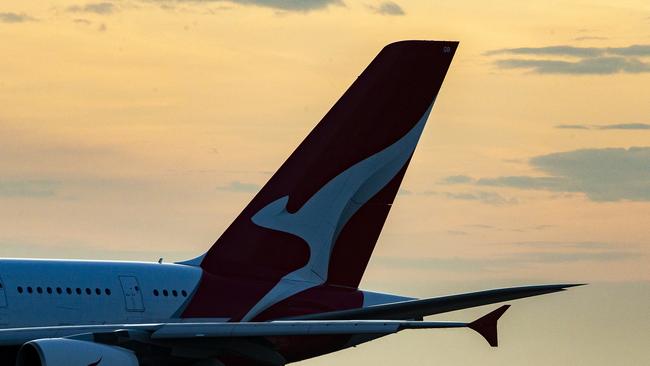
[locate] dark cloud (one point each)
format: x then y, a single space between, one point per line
612 174
585 60
388 8
102 8
525 182
625 126
592 65
237 186
573 51
284 5
617 126
15 18
456 179
573 127
28 188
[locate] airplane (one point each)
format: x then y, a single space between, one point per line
281 284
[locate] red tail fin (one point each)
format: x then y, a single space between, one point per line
319 216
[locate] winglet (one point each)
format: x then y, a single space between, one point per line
486 325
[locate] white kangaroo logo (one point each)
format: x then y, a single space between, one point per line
323 216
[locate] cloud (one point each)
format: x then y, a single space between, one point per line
237 186
591 65
573 51
617 126
612 174
101 8
284 5
583 245
456 179
388 8
583 60
573 127
15 18
625 126
28 188
490 198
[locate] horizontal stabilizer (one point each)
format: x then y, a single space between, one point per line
417 309
486 326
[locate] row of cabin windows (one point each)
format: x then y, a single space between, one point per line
59 290
166 293
88 291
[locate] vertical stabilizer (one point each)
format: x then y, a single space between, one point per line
317 219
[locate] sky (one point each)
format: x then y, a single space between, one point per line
138 129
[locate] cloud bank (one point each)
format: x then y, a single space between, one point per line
388 8
603 175
237 186
28 188
581 60
284 5
617 126
101 8
15 18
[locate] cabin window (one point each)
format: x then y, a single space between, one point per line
39 290
78 291
175 293
59 290
184 293
20 289
68 290
108 292
29 289
156 293
49 290
98 291
165 293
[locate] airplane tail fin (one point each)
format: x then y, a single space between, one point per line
331 197
316 221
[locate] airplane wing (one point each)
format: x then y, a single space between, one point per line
417 309
108 333
205 341
200 343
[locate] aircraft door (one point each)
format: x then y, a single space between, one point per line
3 295
132 293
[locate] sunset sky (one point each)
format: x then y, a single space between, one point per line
138 129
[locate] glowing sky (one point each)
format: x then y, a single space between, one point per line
139 129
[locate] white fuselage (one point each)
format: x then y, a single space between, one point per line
41 293
64 292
